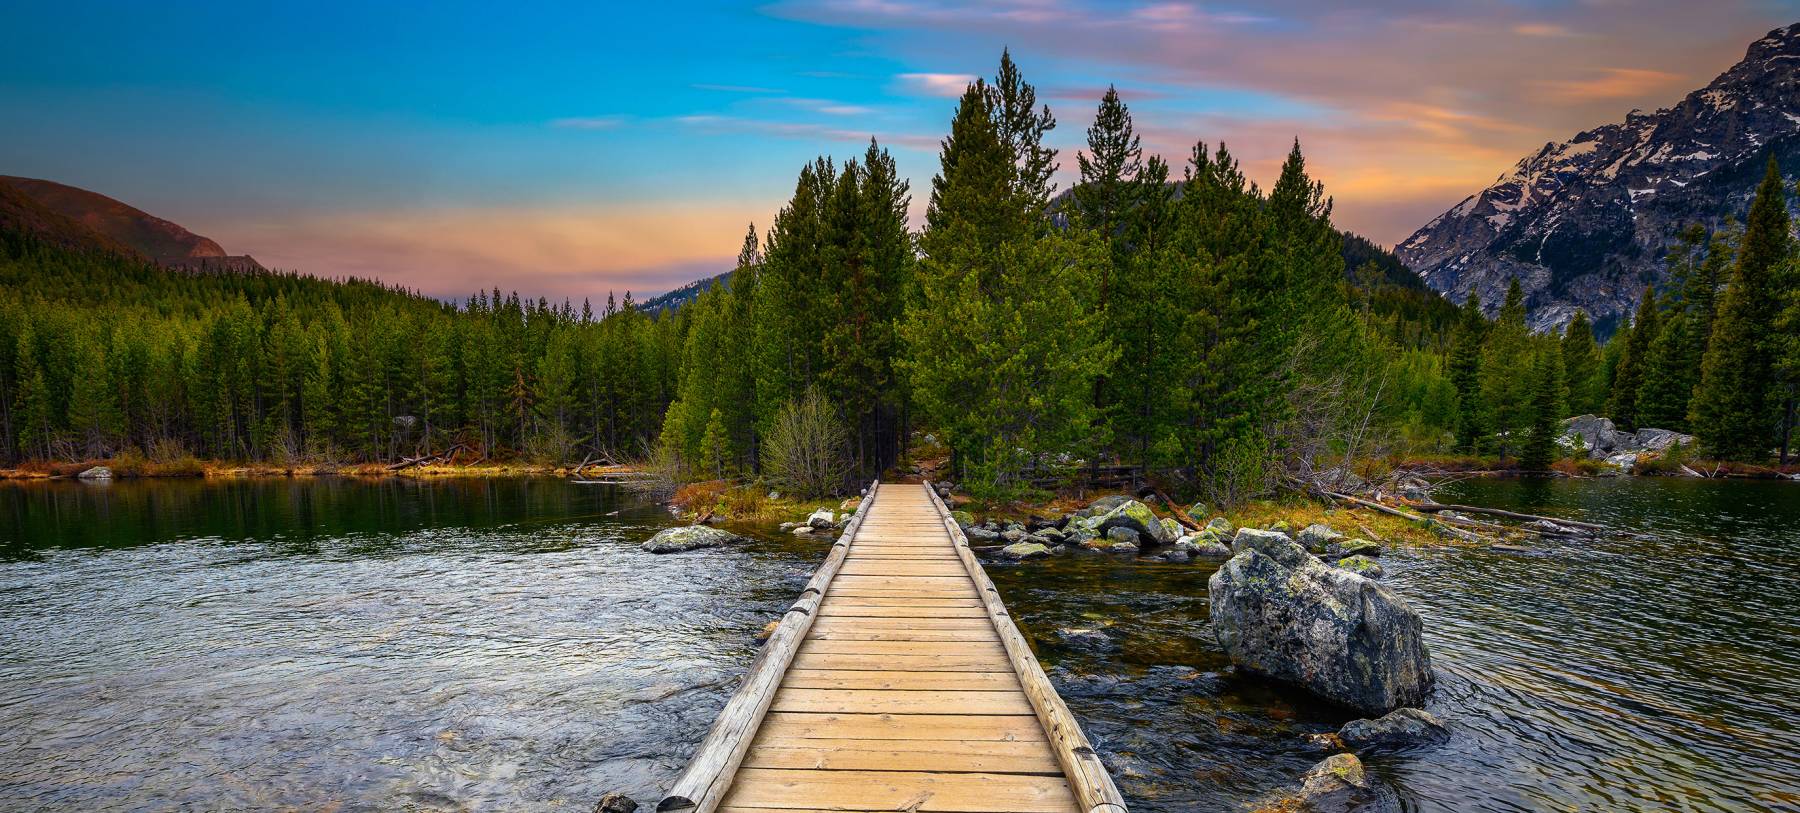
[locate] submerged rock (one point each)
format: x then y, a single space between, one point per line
615 803
1401 728
1120 535
1280 612
1025 550
689 537
1337 785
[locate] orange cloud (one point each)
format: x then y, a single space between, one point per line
1611 83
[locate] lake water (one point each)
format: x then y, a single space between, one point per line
503 645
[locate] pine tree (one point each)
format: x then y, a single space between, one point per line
1628 376
1545 411
715 446
1733 410
1021 127
1506 371
1581 366
1668 377
1465 375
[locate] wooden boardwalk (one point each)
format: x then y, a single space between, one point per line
897 682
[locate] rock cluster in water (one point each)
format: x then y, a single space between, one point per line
1280 611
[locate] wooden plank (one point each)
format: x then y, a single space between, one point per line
886 599
878 701
815 646
855 610
880 790
904 755
854 634
935 727
802 678
903 663
877 624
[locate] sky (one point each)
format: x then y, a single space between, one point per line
569 150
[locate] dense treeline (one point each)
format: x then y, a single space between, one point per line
101 354
1224 338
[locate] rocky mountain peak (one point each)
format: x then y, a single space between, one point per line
1585 223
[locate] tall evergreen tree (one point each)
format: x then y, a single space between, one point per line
1022 126
1545 410
1465 374
1732 413
1581 366
1628 376
1506 360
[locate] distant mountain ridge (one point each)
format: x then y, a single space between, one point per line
77 218
1585 223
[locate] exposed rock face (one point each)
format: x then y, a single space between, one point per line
1401 728
690 537
1584 223
1280 612
1604 441
96 473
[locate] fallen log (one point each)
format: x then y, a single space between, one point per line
1181 516
1430 522
1435 507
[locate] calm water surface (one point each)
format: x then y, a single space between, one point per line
503 645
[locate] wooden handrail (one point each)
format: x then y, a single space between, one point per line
1087 776
702 786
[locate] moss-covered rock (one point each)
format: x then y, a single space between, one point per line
1362 565
688 537
963 518
1025 550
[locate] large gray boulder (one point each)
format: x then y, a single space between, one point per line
689 537
96 473
1280 612
1604 441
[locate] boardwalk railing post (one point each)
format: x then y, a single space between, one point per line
702 786
1087 775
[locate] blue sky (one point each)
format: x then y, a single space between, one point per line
569 149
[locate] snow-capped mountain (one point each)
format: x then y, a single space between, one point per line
1587 222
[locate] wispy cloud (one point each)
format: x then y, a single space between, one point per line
1542 30
805 131
1609 84
947 85
827 106
735 88
590 122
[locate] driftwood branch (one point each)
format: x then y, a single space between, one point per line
426 458
1181 515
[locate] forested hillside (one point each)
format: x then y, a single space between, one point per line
1227 340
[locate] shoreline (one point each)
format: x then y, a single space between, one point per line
208 470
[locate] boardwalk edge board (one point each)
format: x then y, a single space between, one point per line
702 786
1087 775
